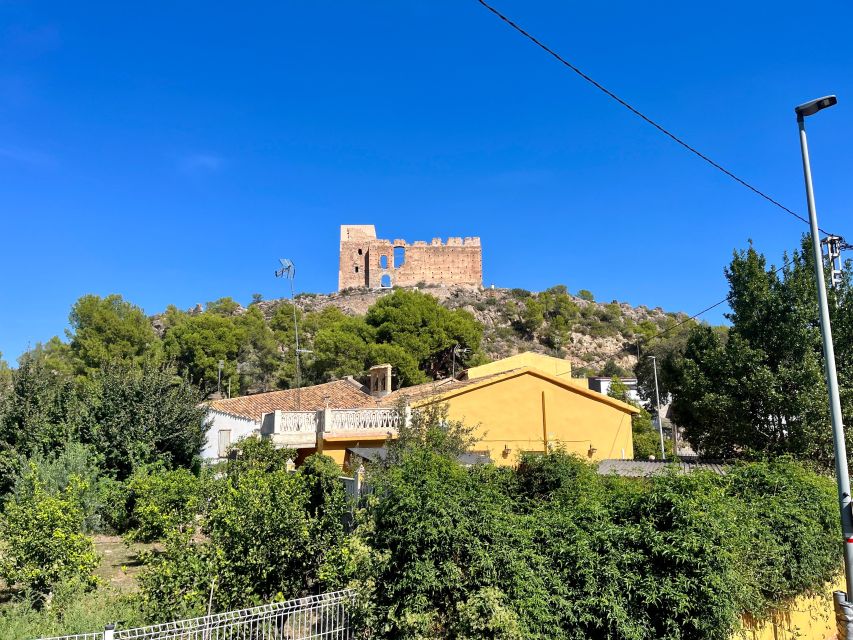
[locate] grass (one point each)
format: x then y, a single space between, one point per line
70 609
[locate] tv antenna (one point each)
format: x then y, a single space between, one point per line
288 270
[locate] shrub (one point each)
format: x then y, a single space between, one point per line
163 500
73 609
75 467
41 540
268 535
257 453
114 497
554 550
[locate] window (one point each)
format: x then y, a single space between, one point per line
356 268
399 257
385 281
224 442
360 252
383 262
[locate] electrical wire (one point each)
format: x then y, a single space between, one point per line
609 356
641 115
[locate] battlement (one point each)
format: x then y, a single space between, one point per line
374 263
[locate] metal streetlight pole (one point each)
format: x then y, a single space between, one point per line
841 473
657 397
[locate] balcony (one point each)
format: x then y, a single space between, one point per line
302 429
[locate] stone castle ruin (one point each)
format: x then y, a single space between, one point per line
370 262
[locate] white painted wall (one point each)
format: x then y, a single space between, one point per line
217 421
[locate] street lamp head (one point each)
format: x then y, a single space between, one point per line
811 108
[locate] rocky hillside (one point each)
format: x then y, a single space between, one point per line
554 321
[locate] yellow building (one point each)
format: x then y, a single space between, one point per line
524 403
527 409
556 367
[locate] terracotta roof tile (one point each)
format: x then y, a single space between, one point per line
341 394
429 389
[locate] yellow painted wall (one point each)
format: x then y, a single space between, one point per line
806 618
556 367
509 413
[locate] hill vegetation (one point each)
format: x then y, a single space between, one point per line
100 433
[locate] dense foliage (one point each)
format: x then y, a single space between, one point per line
267 534
129 416
41 544
553 550
759 387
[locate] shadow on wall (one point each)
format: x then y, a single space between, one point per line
806 618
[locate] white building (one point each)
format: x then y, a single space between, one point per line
231 419
602 385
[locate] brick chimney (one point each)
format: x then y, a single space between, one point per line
380 380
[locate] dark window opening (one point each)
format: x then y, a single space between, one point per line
360 252
356 268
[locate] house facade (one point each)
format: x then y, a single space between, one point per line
535 407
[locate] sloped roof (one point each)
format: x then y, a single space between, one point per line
557 367
442 390
649 468
340 394
432 389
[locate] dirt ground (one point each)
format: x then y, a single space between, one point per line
120 562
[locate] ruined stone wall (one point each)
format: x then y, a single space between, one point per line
369 262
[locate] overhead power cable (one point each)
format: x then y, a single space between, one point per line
640 114
604 359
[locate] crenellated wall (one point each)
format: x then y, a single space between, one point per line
369 262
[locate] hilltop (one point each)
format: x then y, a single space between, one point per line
573 326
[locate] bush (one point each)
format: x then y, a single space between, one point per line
73 609
115 505
163 500
268 534
75 467
256 453
41 540
554 550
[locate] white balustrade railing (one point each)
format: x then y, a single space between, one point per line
363 420
298 422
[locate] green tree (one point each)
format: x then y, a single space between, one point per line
418 324
39 413
198 342
259 355
761 387
161 501
108 330
143 415
41 542
5 375
341 347
266 535
585 294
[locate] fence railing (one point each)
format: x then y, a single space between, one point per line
324 617
363 420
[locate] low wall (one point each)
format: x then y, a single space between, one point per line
806 618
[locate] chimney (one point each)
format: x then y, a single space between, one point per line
380 380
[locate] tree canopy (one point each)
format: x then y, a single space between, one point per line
760 387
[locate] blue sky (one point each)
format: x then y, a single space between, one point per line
172 152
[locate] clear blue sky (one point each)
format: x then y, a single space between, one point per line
171 152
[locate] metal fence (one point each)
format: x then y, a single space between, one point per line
323 617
